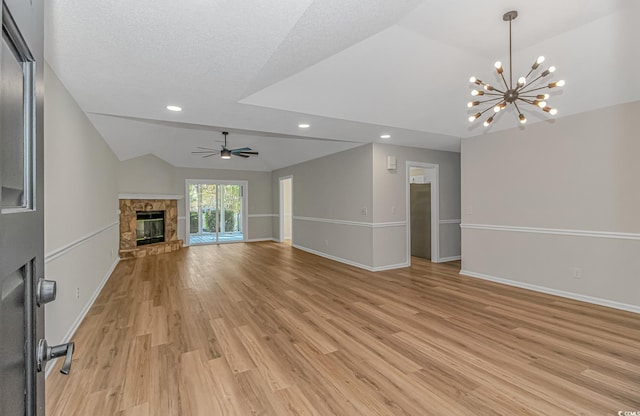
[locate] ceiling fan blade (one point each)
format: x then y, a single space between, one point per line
240 150
205 151
212 154
206 148
241 155
245 153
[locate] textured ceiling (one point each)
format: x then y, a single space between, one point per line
353 69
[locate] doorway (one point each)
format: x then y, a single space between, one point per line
286 209
216 211
423 219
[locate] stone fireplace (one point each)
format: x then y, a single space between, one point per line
148 227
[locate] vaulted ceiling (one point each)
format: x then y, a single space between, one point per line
352 69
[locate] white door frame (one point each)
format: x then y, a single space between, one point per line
435 208
245 206
281 211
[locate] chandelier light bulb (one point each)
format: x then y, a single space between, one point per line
540 59
474 117
552 69
542 96
488 121
472 103
553 111
522 118
521 81
560 83
542 104
488 87
496 109
477 92
498 66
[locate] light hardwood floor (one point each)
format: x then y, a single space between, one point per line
266 329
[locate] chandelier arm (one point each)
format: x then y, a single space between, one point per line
505 81
515 104
535 89
492 99
491 93
526 101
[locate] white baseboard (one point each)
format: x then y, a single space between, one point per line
255 240
561 293
350 262
83 313
446 259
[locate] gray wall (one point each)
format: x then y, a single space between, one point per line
329 196
331 193
525 190
151 175
390 193
81 202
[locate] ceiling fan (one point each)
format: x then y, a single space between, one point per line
225 152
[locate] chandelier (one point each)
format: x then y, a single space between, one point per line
525 91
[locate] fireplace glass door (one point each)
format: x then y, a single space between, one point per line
216 212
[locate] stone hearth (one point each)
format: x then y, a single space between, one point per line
128 222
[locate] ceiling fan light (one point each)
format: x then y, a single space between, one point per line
225 154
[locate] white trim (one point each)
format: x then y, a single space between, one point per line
456 221
182 218
452 258
262 215
257 240
435 208
74 327
350 262
149 196
555 231
52 255
561 293
353 223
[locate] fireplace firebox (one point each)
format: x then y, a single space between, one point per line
149 227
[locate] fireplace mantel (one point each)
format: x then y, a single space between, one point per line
149 196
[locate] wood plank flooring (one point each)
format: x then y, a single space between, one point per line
266 329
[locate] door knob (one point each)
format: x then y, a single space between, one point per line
46 291
46 353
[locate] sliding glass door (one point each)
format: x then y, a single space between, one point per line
216 211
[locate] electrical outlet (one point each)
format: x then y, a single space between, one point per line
77 293
576 272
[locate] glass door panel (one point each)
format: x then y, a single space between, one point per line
215 212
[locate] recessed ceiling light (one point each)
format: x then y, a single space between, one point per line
385 136
174 108
304 126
